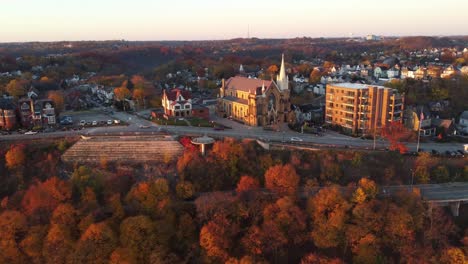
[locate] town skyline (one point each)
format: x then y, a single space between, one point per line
140 20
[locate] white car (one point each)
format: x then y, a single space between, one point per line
94 123
109 122
116 121
296 139
31 133
82 122
142 126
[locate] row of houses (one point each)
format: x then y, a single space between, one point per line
26 113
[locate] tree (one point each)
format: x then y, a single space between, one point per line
95 245
395 132
247 183
15 156
315 76
122 256
122 93
12 226
328 210
16 88
216 237
59 101
138 234
138 95
318 259
32 243
453 256
441 174
282 179
272 70
185 190
58 244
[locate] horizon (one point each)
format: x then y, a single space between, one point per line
179 20
229 39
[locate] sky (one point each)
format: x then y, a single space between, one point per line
70 20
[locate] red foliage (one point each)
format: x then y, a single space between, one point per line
247 183
187 143
395 132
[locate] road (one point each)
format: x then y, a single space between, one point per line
140 125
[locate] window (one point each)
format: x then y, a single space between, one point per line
177 107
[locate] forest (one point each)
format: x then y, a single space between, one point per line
237 204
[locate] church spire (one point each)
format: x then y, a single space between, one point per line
282 75
282 79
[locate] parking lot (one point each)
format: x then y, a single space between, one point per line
91 118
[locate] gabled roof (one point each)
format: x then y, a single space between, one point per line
173 94
246 84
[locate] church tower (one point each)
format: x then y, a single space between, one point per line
282 80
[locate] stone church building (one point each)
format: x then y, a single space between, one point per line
256 102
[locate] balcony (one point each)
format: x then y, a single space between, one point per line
349 96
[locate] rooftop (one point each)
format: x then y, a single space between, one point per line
356 86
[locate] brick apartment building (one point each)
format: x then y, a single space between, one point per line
359 108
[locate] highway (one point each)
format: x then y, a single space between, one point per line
141 126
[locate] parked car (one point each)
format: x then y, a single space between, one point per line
109 122
296 139
94 123
82 123
116 121
31 133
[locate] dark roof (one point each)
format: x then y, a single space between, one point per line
174 93
6 104
309 108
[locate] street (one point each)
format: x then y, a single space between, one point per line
141 126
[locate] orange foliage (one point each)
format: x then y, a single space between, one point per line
282 179
247 183
58 98
216 237
46 195
15 156
395 132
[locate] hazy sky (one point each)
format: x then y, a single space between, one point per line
52 20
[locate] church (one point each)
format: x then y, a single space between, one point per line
256 102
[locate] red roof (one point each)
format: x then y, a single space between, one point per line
246 84
173 94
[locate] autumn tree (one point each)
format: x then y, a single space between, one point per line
42 198
58 244
185 190
328 210
122 93
272 70
122 256
395 132
453 255
216 237
282 179
247 183
16 88
12 226
138 234
32 243
15 156
319 259
95 245
315 76
58 98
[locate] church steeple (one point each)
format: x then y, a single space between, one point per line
282 79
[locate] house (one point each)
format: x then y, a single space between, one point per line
444 126
463 122
200 111
420 73
464 70
7 114
393 73
308 113
434 72
406 72
177 103
448 72
380 72
26 112
419 118
44 112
